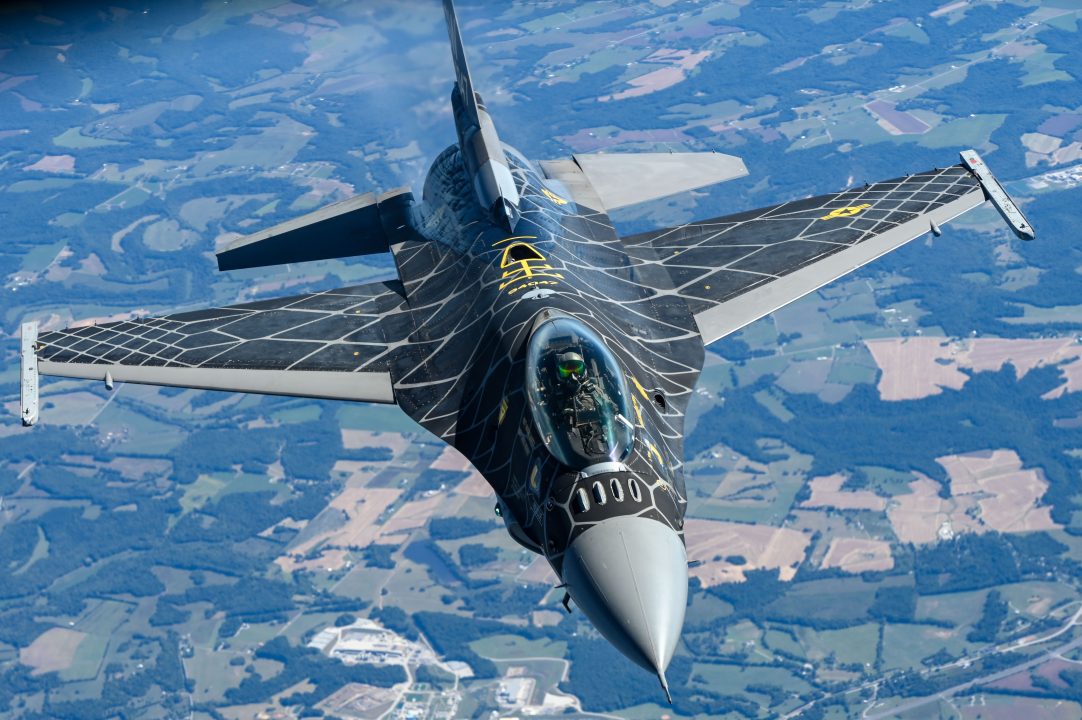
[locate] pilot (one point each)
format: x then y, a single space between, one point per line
580 388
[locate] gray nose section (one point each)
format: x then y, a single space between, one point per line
629 575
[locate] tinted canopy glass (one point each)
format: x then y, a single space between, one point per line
578 395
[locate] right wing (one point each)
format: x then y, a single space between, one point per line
332 344
733 270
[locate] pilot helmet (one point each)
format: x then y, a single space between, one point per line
570 363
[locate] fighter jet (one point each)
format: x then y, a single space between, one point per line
555 354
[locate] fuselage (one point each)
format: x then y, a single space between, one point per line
586 466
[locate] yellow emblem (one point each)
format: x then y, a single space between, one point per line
553 197
523 266
845 211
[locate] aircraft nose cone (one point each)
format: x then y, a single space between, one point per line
629 575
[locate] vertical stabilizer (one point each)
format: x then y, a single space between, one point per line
463 83
482 152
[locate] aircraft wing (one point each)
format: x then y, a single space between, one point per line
609 181
734 270
331 344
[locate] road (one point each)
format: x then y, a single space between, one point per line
949 692
1052 654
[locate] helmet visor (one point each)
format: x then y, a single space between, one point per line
571 366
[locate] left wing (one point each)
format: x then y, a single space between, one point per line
331 344
734 270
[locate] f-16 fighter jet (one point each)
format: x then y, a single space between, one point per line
522 329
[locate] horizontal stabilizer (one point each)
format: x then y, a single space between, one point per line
344 229
622 179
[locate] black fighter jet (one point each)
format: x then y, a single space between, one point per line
556 355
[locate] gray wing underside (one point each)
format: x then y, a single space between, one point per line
608 181
331 344
734 270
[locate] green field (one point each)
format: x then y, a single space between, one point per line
904 646
959 609
40 552
143 435
212 673
72 138
513 647
850 646
100 622
734 679
302 414
382 418
834 599
208 488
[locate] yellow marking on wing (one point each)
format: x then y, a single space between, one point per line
654 452
640 388
638 410
845 211
503 412
514 237
553 197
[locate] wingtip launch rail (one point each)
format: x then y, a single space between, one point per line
28 396
999 197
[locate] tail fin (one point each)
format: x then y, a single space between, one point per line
482 153
463 83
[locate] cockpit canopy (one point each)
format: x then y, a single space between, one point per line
578 395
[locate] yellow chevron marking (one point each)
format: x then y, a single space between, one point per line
553 197
514 237
640 388
503 412
845 211
521 261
